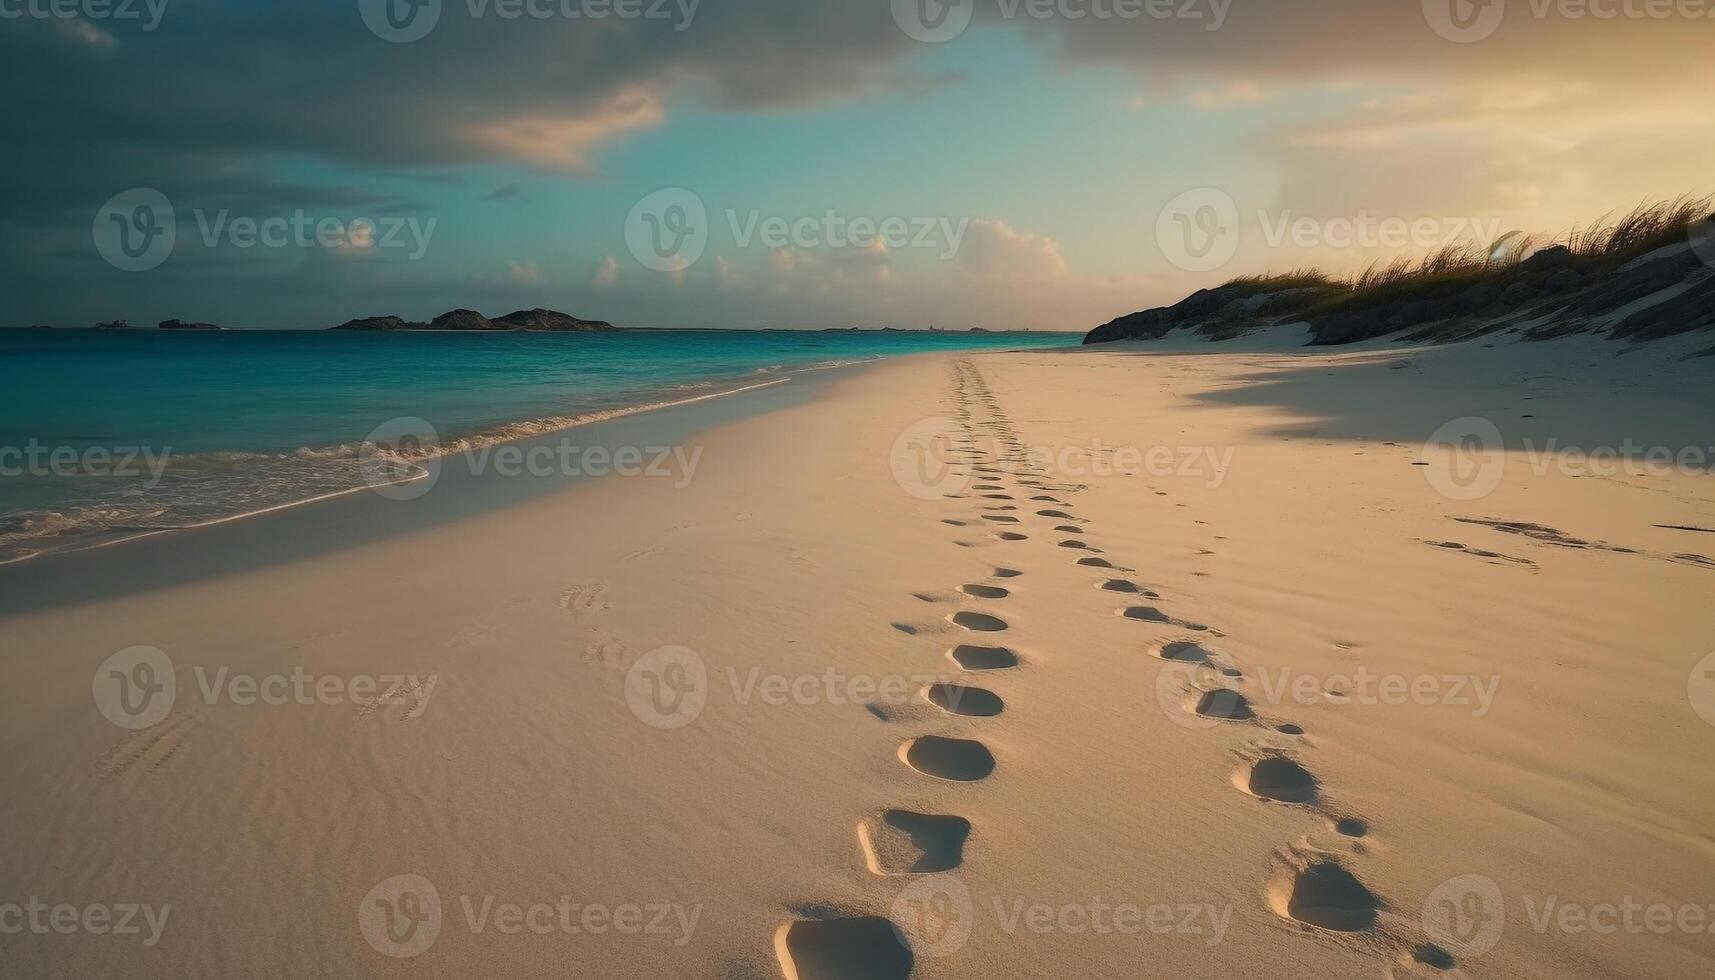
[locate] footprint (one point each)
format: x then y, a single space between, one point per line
903 842
960 700
1078 545
984 591
1069 529
983 658
1223 705
842 949
1058 515
585 598
1279 779
1351 827
1014 536
977 622
1095 563
1432 956
959 760
1325 895
1150 614
1183 651
1121 585
952 523
1289 729
1000 519
1007 573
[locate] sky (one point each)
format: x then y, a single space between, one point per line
1006 164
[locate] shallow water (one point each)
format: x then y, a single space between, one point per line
104 434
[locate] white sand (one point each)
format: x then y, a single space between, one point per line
524 773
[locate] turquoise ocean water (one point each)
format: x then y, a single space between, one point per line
106 434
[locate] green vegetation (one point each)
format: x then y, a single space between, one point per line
1605 242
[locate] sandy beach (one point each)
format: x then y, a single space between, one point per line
1177 660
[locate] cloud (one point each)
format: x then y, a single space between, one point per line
1229 94
993 249
727 274
606 271
565 141
526 272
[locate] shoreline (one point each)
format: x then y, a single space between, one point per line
678 420
368 456
520 431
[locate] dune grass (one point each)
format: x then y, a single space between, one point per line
1605 241
1646 228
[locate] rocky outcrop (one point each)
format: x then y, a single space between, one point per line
1218 313
462 320
1554 292
380 323
550 321
182 325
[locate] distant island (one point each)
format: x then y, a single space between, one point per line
537 320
